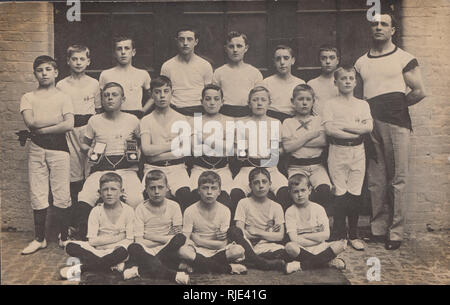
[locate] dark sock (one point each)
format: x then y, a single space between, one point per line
75 188
82 212
184 197
236 195
353 205
340 212
322 195
169 254
283 197
149 265
40 217
62 219
311 261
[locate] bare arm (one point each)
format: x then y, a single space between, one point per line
153 149
62 127
293 144
208 243
361 128
318 142
413 79
336 131
147 105
269 236
103 240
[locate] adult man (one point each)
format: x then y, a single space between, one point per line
188 72
387 71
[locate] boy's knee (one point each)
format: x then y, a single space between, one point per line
235 253
187 253
292 249
134 248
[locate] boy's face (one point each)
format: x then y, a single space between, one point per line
328 61
236 49
303 102
382 29
259 102
124 52
300 193
46 74
110 192
112 99
212 101
209 192
346 81
162 96
283 61
78 62
260 186
186 42
157 190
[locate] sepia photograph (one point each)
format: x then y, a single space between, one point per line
242 144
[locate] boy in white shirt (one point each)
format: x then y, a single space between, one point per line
236 78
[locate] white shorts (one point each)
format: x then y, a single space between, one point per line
131 185
266 247
102 252
316 173
225 176
347 166
177 176
79 168
277 178
206 252
47 167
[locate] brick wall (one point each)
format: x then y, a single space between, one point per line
26 31
425 35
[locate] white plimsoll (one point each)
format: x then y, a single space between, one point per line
119 267
337 263
130 273
238 269
34 246
70 272
182 278
293 267
357 244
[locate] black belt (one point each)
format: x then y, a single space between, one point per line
81 119
166 162
211 162
255 162
305 161
111 163
345 142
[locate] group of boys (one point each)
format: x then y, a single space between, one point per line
136 226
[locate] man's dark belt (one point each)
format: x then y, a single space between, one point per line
50 141
305 161
345 142
111 163
81 119
166 162
211 162
255 162
391 108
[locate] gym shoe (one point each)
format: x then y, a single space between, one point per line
34 246
292 267
119 267
337 263
130 273
185 267
70 272
357 244
182 278
238 269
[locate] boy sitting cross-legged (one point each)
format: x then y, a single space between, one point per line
205 224
158 224
308 229
110 231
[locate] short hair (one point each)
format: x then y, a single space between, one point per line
284 47
160 81
185 29
296 179
44 59
78 48
301 88
110 177
209 177
257 171
259 89
212 87
120 38
113 84
330 48
234 34
347 68
155 175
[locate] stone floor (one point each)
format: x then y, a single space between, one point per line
423 259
